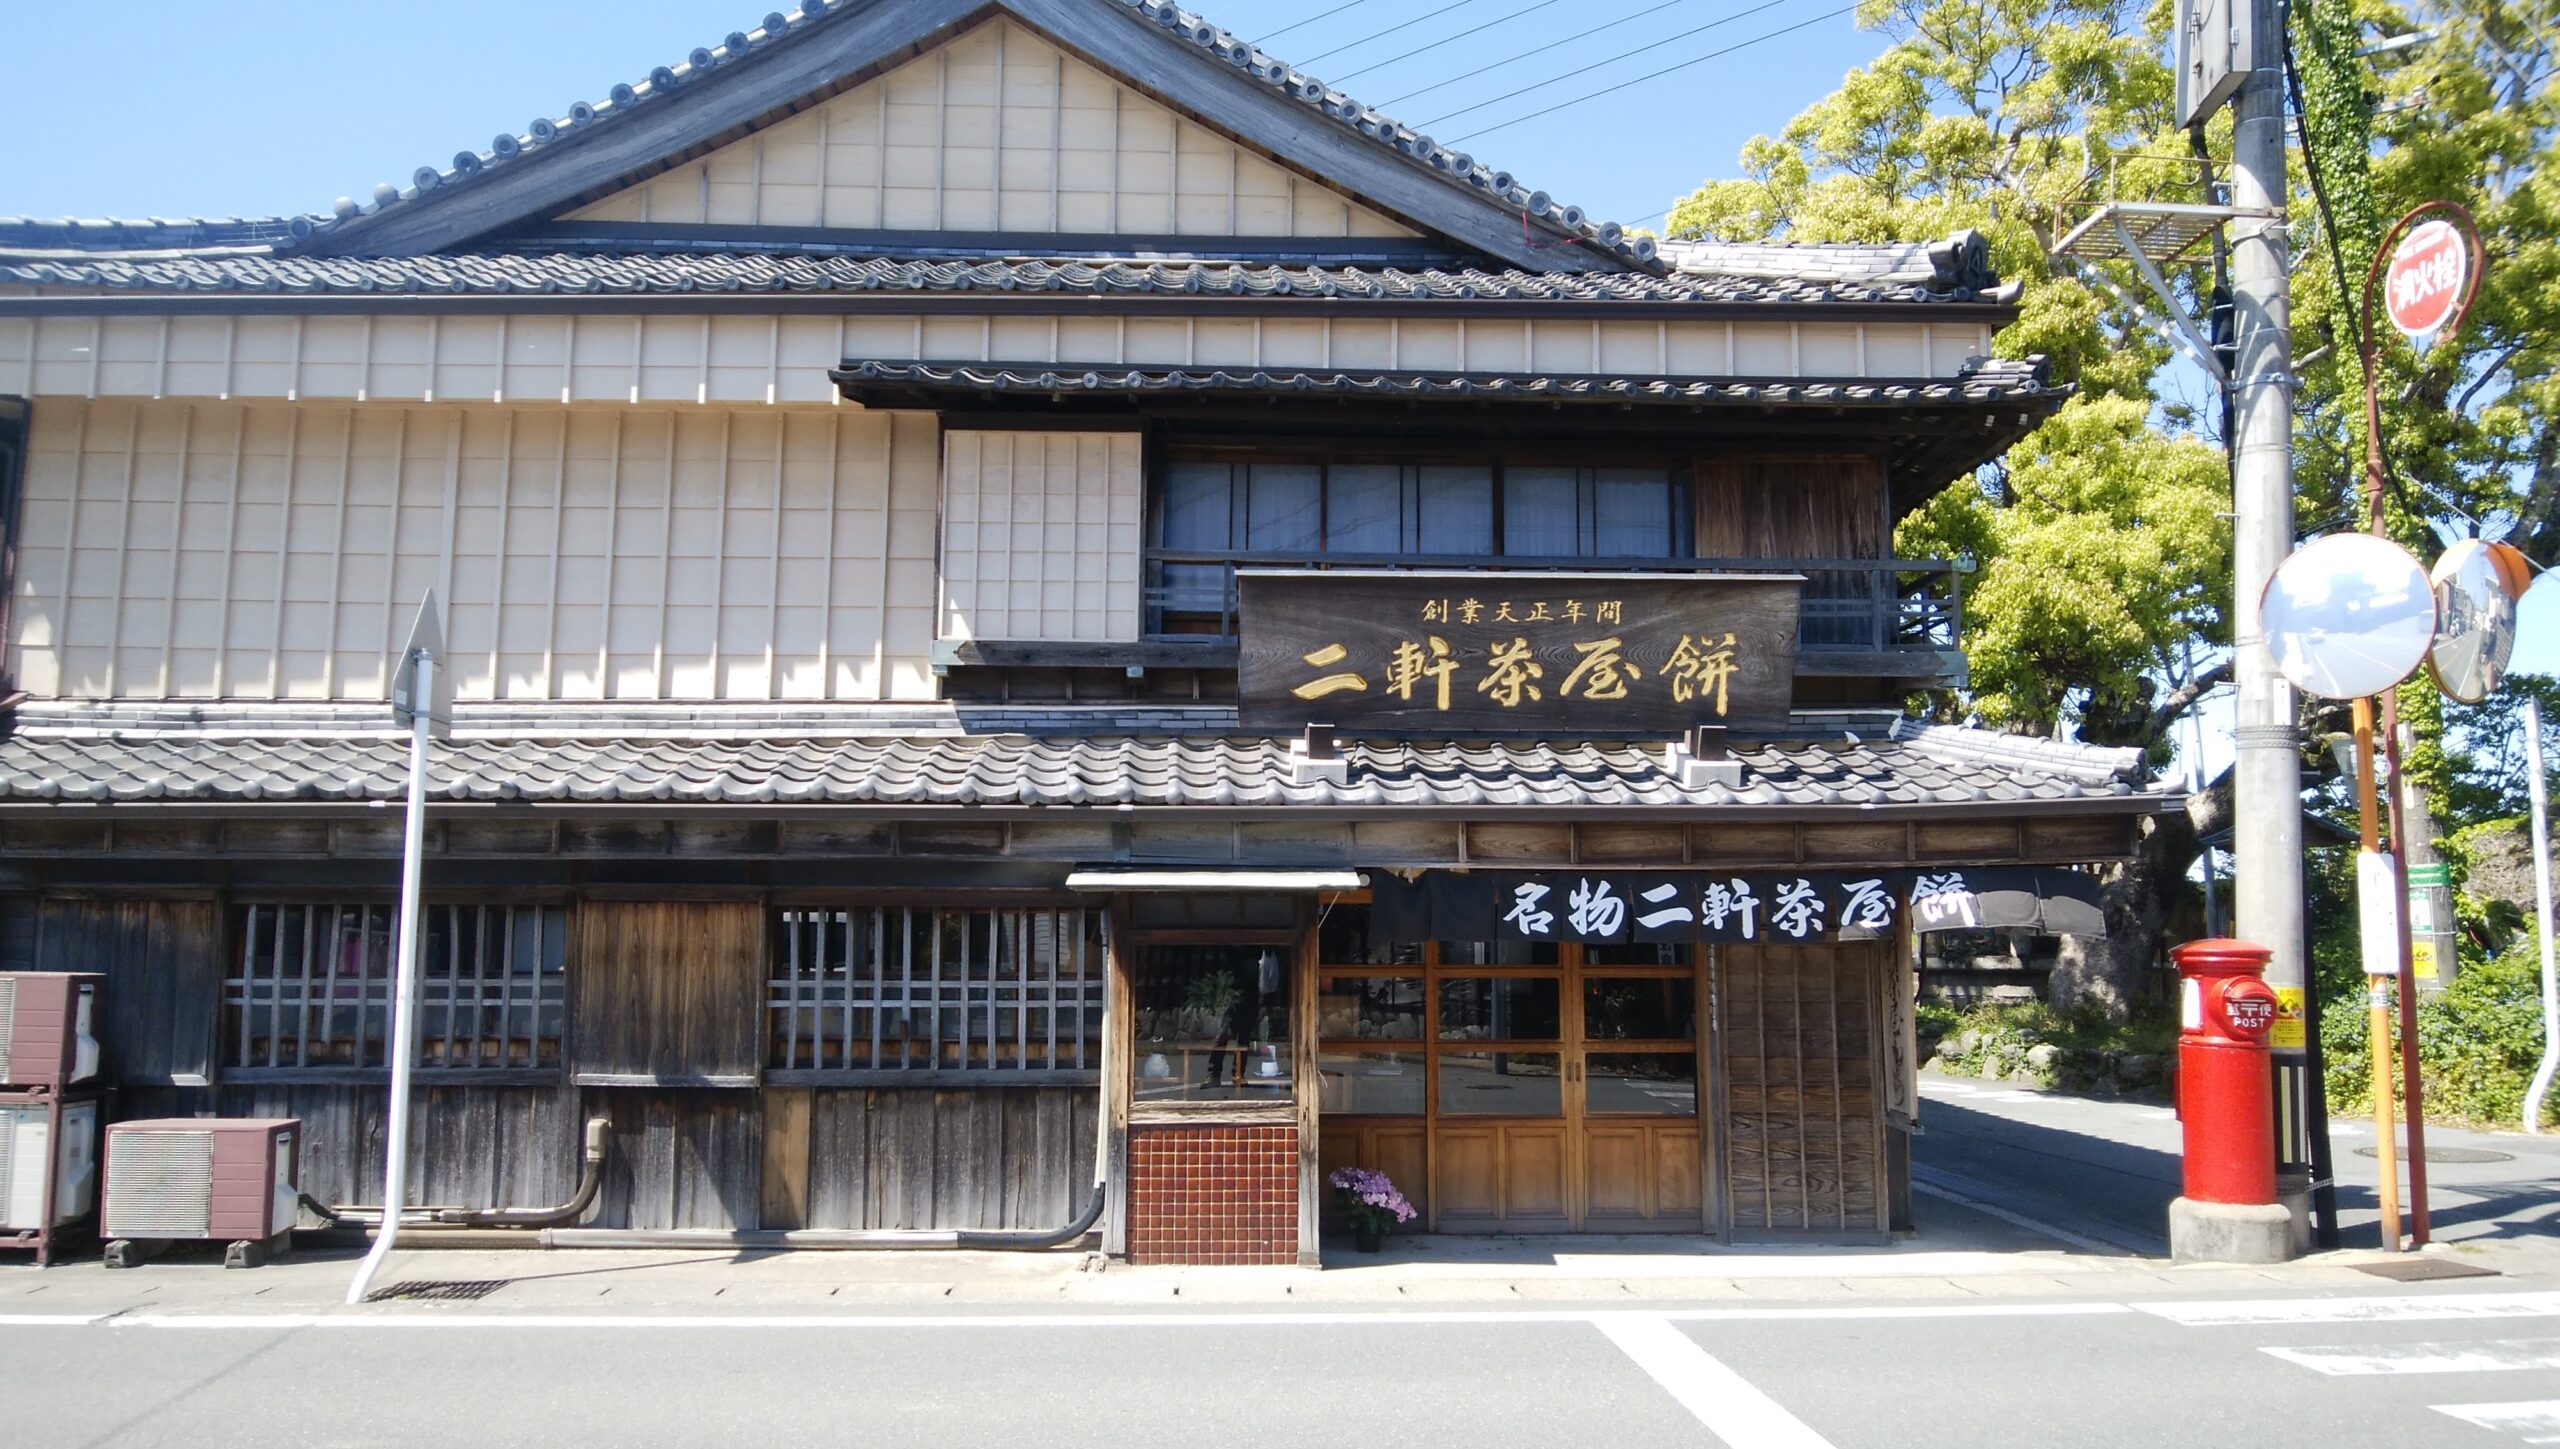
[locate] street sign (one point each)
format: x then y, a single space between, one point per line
2430 270
426 636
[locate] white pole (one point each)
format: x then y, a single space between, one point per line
2541 917
404 1001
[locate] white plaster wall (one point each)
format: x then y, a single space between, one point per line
279 550
996 131
1040 536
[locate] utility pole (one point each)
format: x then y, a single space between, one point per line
2267 779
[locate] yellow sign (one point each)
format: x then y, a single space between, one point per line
2422 958
2287 1033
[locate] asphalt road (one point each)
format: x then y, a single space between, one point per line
2437 1368
2107 1170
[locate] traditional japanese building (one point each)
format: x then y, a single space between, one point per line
1029 585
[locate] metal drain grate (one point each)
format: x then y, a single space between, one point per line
2450 1156
433 1290
2425 1270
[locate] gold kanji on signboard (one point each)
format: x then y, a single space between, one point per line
1508 673
1334 683
1701 667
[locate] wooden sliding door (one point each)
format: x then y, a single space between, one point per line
1803 1106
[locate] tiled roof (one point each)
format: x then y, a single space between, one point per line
1460 170
1983 381
661 273
1905 768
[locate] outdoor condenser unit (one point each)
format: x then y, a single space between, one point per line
28 1150
48 1032
177 1179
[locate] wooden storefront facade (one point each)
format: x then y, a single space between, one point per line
847 460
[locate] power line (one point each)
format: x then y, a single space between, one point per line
1310 20
1612 60
1390 30
1657 75
1528 54
1445 40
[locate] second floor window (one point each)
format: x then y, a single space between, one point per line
1450 510
1326 510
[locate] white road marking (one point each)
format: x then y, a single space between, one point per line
1734 1411
2486 1356
431 1319
2538 1420
2399 1309
48 1320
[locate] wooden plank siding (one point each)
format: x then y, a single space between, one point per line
920 1158
1803 1123
1793 506
163 960
669 993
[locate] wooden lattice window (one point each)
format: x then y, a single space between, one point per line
311 984
911 989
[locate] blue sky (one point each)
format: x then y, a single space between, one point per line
264 107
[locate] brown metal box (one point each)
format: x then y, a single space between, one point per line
47 1027
224 1178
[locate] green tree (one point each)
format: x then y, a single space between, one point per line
2104 571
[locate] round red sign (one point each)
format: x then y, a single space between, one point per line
2428 271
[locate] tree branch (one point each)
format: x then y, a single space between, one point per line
2174 706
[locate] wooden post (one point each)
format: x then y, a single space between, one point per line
1711 1111
1119 1025
1310 1091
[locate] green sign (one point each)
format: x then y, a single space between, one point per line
2423 877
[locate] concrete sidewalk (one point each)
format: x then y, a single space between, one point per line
1418 1273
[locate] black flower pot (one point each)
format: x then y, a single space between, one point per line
1369 1235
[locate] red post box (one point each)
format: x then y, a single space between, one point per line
2226 1100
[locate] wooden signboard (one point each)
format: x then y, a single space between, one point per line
1608 656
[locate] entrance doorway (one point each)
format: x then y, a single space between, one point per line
1517 1088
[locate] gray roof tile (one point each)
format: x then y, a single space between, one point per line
236 271
1984 381
1906 770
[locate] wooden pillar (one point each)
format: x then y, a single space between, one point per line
1310 1090
1718 1217
1119 1027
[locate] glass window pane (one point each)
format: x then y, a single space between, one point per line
1658 1083
1632 1008
1498 953
1343 939
1284 507
1455 511
1194 513
1636 953
1371 1083
1631 513
1386 1008
1501 1008
1213 1024
1364 508
1506 1084
1540 515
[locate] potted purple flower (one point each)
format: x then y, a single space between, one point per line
1373 1203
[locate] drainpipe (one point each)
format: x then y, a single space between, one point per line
590 1182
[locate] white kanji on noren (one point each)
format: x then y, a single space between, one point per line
1668 908
1798 913
1865 905
1524 911
1594 911
1732 900
1945 897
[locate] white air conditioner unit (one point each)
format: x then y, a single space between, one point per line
28 1154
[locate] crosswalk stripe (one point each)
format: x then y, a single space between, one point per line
2400 1309
2486 1356
1726 1402
2538 1420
